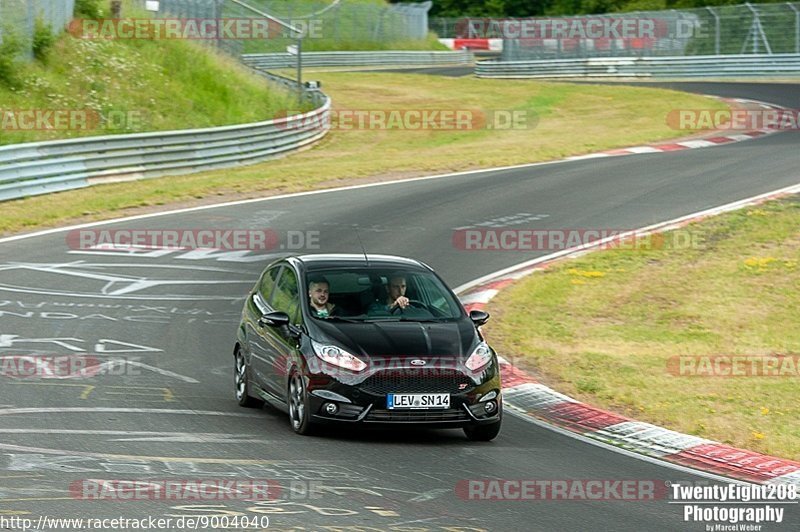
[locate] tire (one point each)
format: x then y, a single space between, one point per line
484 432
299 410
241 382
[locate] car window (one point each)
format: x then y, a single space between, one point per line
268 282
362 293
285 296
430 294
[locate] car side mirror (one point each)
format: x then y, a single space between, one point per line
478 317
274 319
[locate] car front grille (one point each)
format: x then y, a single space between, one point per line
417 416
423 381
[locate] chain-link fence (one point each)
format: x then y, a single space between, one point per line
445 27
748 29
18 18
721 30
325 25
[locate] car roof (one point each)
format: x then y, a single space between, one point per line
356 260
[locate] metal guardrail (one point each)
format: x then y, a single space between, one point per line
313 96
702 66
373 58
44 167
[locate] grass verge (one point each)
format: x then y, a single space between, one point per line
605 328
571 119
132 86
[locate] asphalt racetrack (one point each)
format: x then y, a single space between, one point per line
165 410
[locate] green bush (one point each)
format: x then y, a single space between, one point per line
88 8
10 48
43 39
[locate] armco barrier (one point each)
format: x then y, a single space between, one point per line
43 167
379 58
702 66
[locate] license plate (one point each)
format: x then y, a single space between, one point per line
417 400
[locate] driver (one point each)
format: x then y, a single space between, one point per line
395 296
397 293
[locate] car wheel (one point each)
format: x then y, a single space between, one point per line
484 432
299 414
241 382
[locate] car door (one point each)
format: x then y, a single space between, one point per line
257 305
279 344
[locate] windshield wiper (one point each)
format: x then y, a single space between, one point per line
395 319
340 318
409 318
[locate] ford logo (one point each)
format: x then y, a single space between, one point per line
418 362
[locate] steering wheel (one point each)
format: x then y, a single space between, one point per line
412 302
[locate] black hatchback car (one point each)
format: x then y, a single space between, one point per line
365 340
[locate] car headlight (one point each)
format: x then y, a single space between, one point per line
337 356
481 356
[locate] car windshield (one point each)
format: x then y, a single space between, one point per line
368 294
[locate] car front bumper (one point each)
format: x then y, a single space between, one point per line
365 405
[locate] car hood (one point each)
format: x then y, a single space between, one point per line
399 338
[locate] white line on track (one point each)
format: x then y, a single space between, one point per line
119 433
71 410
159 437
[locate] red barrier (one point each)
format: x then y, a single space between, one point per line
471 44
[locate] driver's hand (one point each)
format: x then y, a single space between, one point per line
401 302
